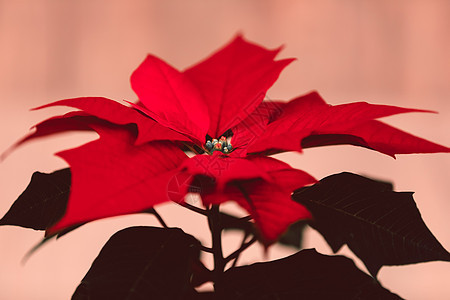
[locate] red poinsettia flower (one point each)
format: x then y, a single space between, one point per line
216 110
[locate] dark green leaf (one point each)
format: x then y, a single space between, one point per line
380 226
142 263
305 275
42 203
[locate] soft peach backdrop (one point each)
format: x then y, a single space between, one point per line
381 51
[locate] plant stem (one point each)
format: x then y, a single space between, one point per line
242 245
236 253
158 217
216 233
194 208
206 249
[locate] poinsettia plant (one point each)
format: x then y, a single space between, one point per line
208 130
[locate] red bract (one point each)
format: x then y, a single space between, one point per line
140 154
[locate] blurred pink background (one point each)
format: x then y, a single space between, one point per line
380 51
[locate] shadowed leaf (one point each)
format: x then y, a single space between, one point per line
42 203
380 226
305 275
142 263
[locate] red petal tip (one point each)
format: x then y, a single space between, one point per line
278 49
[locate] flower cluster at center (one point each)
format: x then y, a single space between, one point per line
223 145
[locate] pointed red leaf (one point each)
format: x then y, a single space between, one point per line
71 121
261 185
234 81
116 113
170 98
80 121
270 203
250 129
112 176
223 169
272 208
389 140
308 121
